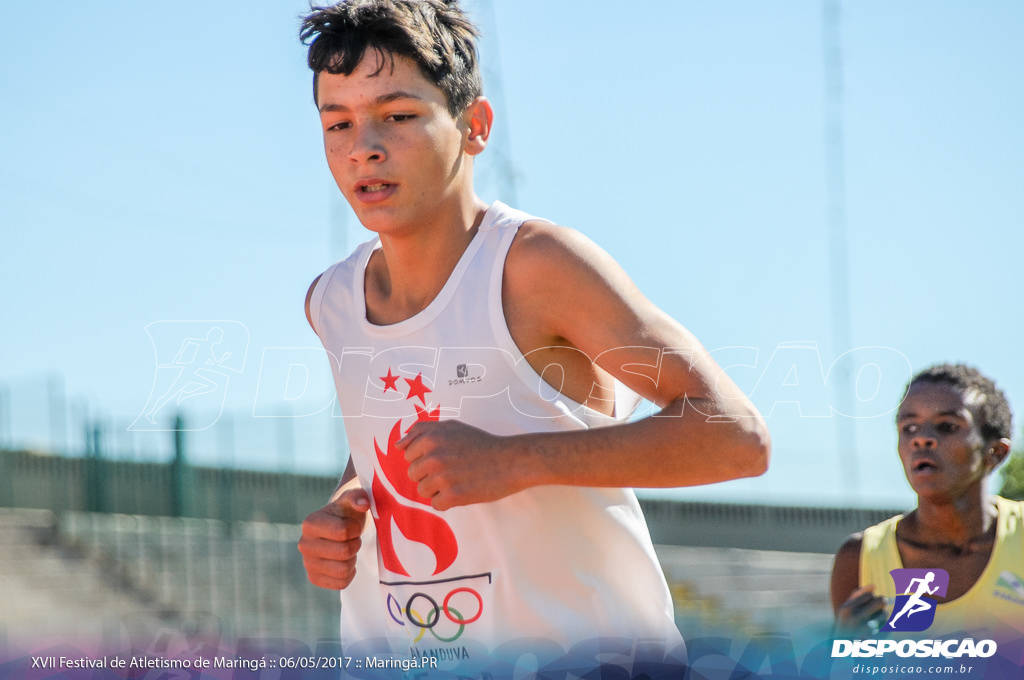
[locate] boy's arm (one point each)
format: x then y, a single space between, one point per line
561 289
331 535
854 606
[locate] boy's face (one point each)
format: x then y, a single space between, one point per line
940 441
392 147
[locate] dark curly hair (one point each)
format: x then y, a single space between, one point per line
996 418
435 34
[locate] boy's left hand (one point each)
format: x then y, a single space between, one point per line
457 464
854 618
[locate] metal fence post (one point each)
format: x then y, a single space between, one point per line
178 481
94 482
227 473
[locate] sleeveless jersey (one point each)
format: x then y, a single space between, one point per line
996 600
541 570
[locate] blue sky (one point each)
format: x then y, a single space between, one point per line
163 163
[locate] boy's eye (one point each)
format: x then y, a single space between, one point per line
340 126
910 428
947 427
399 117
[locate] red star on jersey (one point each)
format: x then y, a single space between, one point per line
417 388
390 381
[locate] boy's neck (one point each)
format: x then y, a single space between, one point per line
963 519
413 265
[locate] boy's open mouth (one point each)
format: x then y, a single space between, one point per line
373 188
923 466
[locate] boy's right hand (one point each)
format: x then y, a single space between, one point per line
330 539
854 617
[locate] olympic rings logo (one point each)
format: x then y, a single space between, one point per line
464 597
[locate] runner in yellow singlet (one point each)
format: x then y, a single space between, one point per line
954 430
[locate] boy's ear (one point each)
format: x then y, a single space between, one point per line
997 451
479 116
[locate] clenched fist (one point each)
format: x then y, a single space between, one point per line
331 539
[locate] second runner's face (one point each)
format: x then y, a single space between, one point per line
940 441
392 147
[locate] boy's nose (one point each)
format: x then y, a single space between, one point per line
366 147
923 441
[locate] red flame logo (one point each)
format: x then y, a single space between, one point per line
416 524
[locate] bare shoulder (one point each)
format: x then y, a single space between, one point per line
846 569
556 269
309 297
849 551
555 250
560 289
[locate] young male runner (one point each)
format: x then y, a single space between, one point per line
476 352
954 429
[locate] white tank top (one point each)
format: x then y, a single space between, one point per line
543 569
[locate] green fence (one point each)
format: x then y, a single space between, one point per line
175 489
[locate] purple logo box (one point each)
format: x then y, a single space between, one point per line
902 578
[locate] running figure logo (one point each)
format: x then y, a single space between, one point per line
914 610
194 361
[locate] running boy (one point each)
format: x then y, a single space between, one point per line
476 350
954 429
